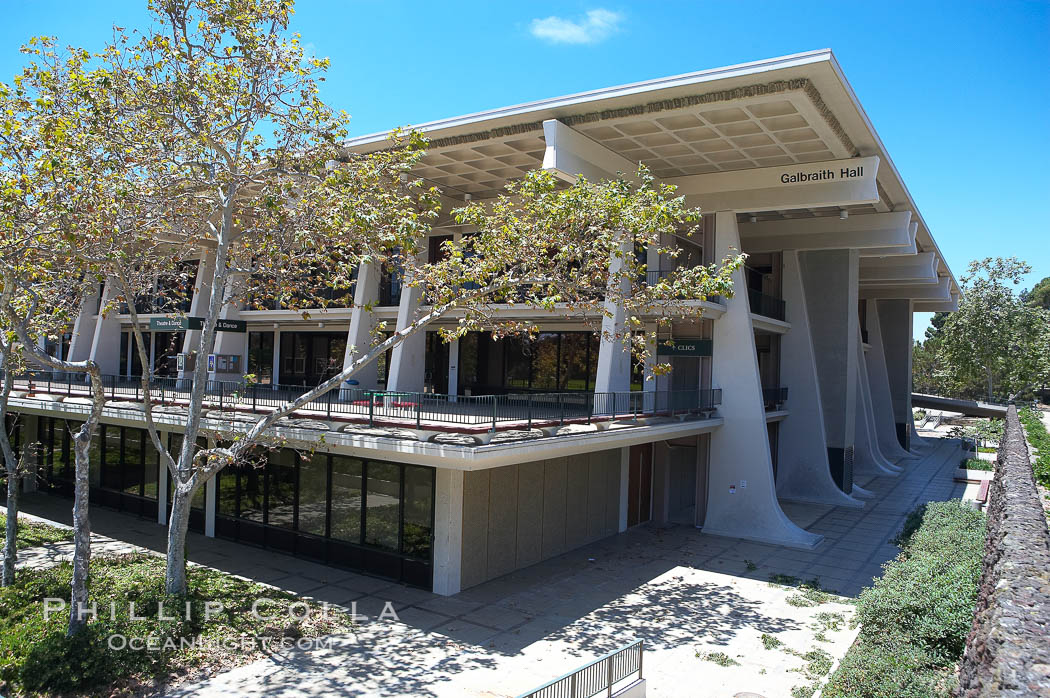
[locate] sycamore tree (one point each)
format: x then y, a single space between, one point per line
995 340
227 154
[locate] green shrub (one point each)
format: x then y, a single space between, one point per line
976 464
914 620
1039 438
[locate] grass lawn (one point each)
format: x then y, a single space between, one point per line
36 657
33 533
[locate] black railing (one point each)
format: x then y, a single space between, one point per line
406 409
774 397
761 304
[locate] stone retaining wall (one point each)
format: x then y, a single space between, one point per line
1008 649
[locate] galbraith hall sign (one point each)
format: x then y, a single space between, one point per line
822 175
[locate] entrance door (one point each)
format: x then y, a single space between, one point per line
640 484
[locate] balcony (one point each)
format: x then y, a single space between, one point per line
768 306
429 414
774 398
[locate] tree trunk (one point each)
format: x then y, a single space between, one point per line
175 570
11 538
81 530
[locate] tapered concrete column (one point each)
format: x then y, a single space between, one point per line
105 342
362 322
453 367
742 500
235 343
895 321
830 279
614 360
199 306
803 474
276 355
868 458
448 531
162 486
84 328
879 382
407 360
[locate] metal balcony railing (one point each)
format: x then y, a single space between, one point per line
774 397
467 413
761 304
596 678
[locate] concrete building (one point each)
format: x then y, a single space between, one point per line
451 464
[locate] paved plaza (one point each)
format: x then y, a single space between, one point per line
684 593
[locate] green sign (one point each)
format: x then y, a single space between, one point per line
174 324
684 347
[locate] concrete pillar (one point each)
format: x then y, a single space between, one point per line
453 367
234 343
614 359
742 501
803 473
105 342
895 322
830 278
703 459
879 384
625 477
84 328
276 354
199 305
359 336
162 485
407 360
448 531
868 457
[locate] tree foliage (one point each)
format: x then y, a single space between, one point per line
995 345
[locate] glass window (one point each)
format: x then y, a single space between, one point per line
226 492
346 498
383 499
518 361
313 493
419 498
111 460
260 356
574 372
251 493
151 466
280 471
545 361
132 465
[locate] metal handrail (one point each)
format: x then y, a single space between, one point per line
762 304
527 409
594 678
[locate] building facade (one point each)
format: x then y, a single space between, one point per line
447 464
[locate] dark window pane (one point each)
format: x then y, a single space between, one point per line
313 490
226 492
281 473
251 492
518 362
545 361
346 498
152 467
419 497
110 477
574 373
133 461
384 502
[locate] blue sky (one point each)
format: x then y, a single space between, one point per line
958 91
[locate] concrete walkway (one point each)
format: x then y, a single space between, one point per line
684 593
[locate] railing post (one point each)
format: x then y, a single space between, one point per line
371 410
641 653
528 409
561 406
328 406
609 676
255 397
590 408
572 685
494 413
419 409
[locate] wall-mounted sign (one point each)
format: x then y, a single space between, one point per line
186 322
684 347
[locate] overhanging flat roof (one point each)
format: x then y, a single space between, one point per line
781 111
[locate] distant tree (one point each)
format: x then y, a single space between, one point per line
1039 295
995 340
924 367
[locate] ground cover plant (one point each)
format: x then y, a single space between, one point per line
33 533
38 658
1038 438
976 464
914 620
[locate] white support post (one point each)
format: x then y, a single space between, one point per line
614 360
882 402
359 336
105 342
868 458
453 368
742 499
448 531
803 474
276 380
408 358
